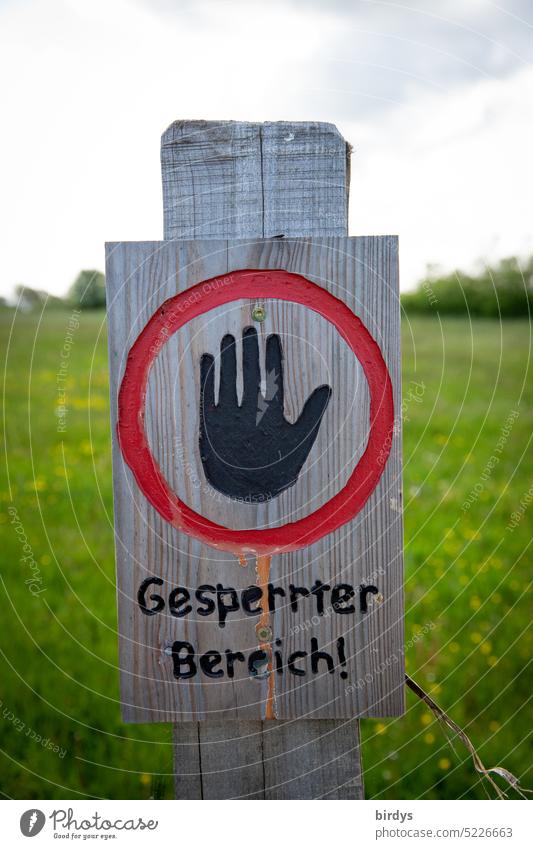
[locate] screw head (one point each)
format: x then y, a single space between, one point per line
379 598
264 633
259 312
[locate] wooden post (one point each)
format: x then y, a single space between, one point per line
240 180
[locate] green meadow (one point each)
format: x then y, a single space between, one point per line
467 486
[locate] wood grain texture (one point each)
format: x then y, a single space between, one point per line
218 760
310 759
187 761
368 550
233 179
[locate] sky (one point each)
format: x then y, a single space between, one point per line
436 98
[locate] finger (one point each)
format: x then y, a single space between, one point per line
227 395
274 370
313 410
207 381
251 374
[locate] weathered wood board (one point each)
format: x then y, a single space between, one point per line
368 679
236 179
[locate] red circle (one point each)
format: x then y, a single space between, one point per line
255 285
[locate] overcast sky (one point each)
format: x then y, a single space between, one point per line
436 98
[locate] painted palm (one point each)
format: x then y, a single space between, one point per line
250 451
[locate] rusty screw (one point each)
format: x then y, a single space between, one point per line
264 633
379 598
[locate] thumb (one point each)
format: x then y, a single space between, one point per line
313 410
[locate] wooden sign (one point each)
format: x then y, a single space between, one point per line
256 412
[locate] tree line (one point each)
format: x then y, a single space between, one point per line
502 290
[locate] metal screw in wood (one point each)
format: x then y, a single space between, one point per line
259 312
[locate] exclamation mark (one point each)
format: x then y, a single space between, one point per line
342 656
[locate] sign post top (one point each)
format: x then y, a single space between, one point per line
234 179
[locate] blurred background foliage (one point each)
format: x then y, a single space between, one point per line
87 292
504 289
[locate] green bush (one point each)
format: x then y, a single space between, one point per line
505 290
88 290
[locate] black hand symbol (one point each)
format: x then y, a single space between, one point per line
251 451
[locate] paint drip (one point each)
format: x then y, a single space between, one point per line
262 568
263 576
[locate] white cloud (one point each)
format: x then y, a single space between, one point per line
92 84
451 174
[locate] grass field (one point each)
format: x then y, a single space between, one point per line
468 422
